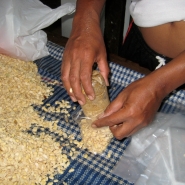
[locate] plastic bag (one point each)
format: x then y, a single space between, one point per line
94 139
93 108
156 154
21 22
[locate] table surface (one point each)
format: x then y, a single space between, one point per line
94 169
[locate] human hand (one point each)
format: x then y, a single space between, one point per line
133 109
84 48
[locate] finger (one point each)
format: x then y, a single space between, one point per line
113 107
124 130
111 120
136 130
86 80
65 70
104 70
74 78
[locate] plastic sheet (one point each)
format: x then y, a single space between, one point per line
156 154
21 22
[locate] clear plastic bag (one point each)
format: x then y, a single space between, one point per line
21 22
94 139
156 154
93 108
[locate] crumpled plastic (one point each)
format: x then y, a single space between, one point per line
21 22
156 154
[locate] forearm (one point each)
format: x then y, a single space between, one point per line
87 13
168 77
89 6
84 48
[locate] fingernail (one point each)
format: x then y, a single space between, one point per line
80 102
90 97
73 99
107 83
93 126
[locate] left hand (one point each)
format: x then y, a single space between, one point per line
133 109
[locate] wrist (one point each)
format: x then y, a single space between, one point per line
169 77
86 23
87 17
154 86
89 9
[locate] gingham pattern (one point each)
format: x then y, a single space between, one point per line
94 169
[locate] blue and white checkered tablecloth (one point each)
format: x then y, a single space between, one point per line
94 169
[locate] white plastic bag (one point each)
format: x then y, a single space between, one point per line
156 154
21 22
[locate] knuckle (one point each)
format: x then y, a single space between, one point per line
117 132
73 78
142 121
111 122
84 76
78 97
118 136
131 112
64 78
144 124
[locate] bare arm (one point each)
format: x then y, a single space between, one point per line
84 47
137 104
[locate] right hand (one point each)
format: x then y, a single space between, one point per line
84 48
133 109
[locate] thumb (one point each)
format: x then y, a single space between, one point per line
113 107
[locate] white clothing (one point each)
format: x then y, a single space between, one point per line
149 13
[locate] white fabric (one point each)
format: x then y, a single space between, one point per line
148 13
161 62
